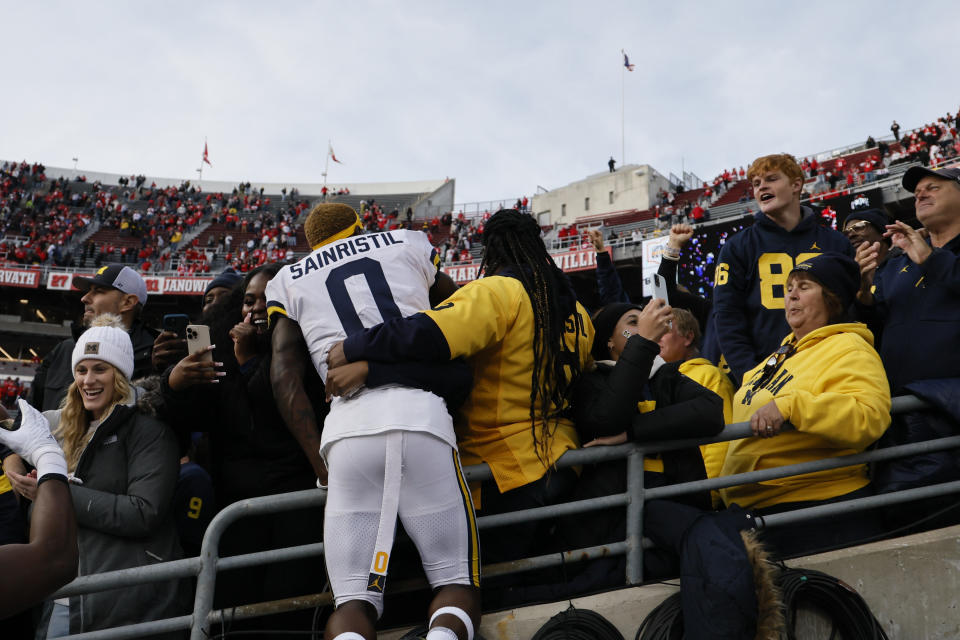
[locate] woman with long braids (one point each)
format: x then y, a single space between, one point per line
526 339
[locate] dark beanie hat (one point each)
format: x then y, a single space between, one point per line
229 278
836 272
874 216
604 322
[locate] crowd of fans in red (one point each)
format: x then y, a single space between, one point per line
39 218
10 390
933 143
143 226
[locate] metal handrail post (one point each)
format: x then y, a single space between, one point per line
860 504
822 464
635 516
209 550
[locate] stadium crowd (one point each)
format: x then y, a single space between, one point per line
806 326
140 225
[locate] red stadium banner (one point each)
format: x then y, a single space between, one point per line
576 260
156 285
185 286
19 278
59 281
464 273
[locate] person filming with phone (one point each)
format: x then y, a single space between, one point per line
223 388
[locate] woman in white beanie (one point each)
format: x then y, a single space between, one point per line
122 466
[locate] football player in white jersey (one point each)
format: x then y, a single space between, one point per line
388 448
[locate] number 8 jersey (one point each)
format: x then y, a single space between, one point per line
352 284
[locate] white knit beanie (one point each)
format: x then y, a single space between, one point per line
106 340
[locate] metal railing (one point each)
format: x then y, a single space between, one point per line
208 563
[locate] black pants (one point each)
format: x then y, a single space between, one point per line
823 533
521 540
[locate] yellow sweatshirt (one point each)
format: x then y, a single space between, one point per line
707 375
833 389
490 322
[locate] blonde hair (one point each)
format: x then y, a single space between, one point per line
686 323
73 430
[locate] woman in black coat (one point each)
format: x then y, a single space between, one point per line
633 395
252 453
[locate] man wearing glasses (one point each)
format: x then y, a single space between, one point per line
866 227
915 302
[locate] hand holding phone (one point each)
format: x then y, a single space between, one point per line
198 339
660 288
176 323
171 345
198 367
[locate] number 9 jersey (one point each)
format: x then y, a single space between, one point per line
346 286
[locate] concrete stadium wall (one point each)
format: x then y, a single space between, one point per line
437 203
633 186
912 585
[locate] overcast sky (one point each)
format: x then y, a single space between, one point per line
502 96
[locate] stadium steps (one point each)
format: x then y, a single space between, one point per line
737 190
387 201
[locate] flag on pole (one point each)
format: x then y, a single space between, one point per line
626 61
333 156
206 156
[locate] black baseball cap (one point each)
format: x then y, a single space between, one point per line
837 272
115 276
915 174
874 216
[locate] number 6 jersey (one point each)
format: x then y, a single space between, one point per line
349 285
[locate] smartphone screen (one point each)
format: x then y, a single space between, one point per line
177 323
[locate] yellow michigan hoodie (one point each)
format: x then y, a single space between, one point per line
833 389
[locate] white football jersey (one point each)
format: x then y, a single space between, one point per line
345 287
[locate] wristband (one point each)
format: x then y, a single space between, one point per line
52 476
670 253
50 462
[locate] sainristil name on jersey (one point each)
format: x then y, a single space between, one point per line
343 249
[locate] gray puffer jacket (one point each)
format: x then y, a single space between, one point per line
129 471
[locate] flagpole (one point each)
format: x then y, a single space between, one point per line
326 164
202 158
623 109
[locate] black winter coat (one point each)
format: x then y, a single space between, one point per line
252 452
605 404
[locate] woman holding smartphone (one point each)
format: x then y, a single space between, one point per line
252 453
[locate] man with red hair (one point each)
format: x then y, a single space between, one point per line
747 322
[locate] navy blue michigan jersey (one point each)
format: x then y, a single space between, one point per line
919 313
748 321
